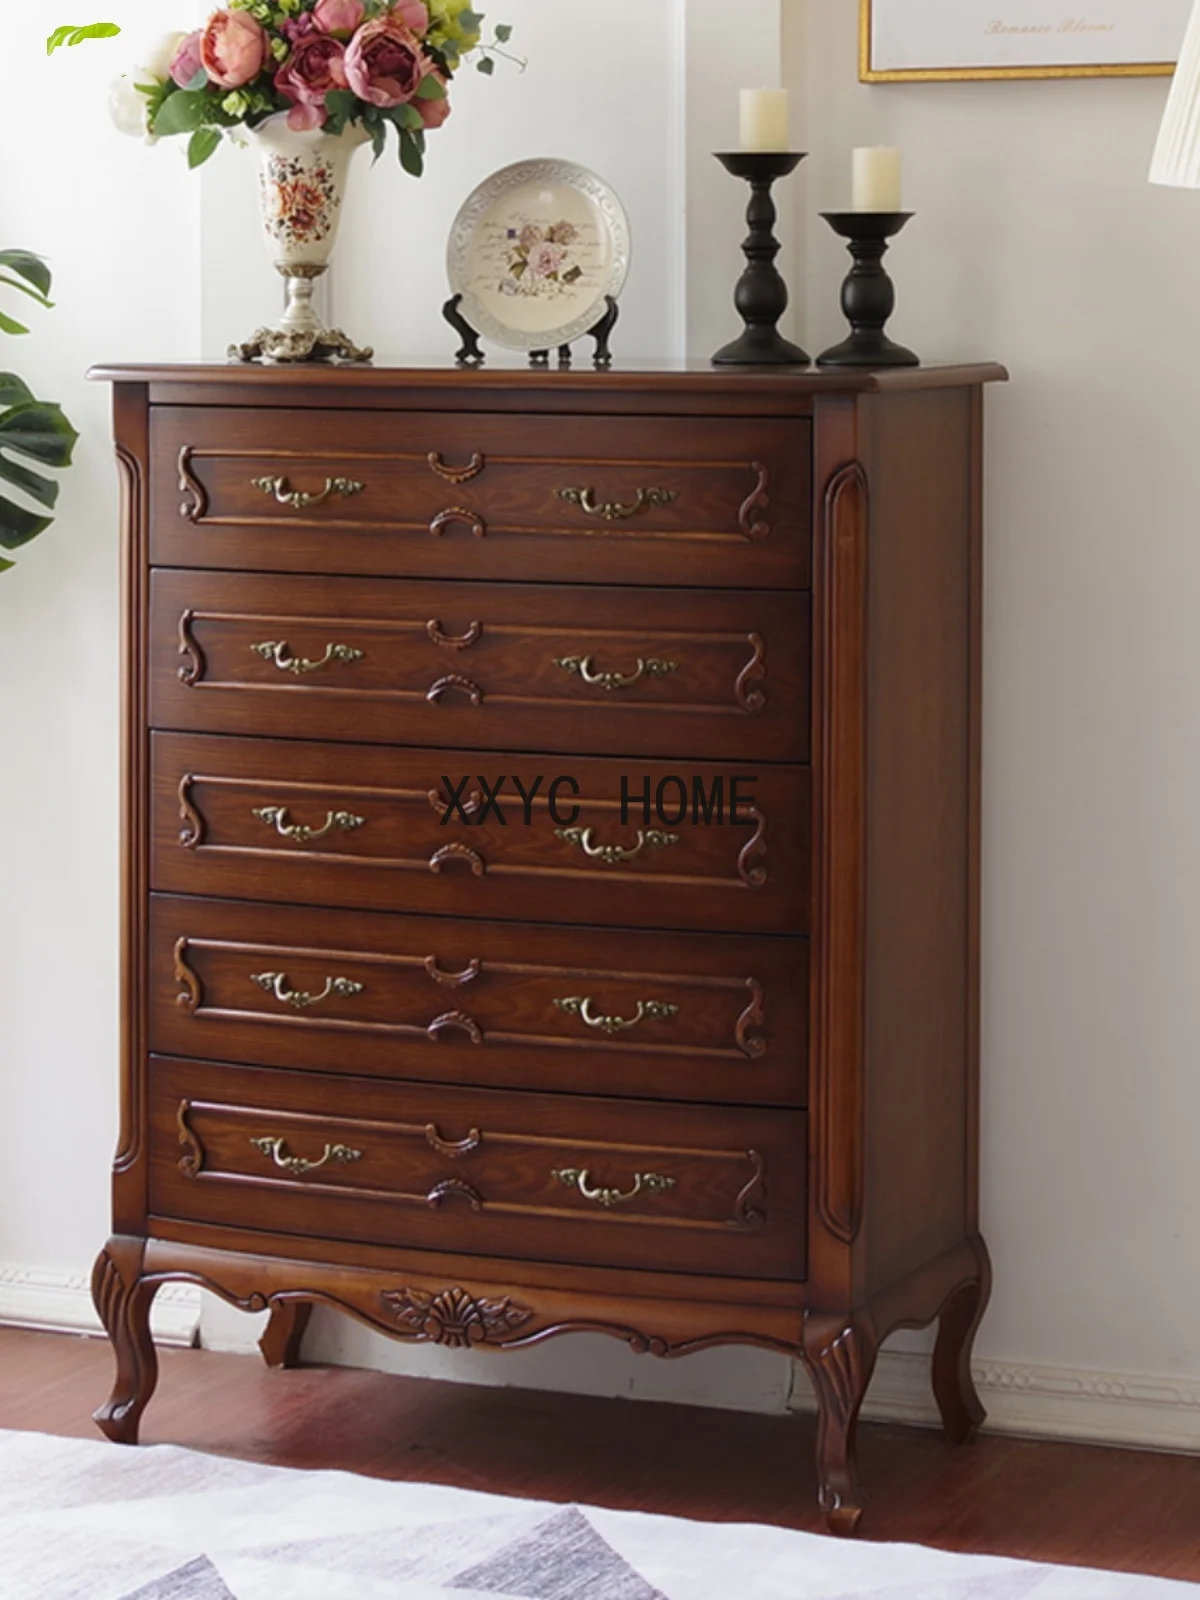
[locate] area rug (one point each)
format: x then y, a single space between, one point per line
94 1521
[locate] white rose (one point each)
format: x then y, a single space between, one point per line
155 65
128 108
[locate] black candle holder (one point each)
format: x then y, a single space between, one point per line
761 295
868 294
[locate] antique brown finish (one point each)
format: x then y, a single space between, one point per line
405 1038
543 1018
502 665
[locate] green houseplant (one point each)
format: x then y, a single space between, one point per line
31 430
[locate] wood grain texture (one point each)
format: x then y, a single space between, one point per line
478 1082
751 875
726 501
737 1032
479 1170
509 666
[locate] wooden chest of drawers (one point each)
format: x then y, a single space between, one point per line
551 863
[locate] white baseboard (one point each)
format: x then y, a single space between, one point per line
61 1302
1039 1402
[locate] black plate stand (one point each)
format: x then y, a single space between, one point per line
471 354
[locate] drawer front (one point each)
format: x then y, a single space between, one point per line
361 826
493 665
670 1017
622 499
546 1177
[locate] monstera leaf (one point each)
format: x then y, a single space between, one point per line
30 431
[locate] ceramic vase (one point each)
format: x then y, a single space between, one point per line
302 183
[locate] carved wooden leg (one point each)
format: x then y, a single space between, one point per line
953 1385
280 1343
839 1355
123 1300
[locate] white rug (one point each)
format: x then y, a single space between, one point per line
95 1521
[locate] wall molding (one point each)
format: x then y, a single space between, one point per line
1040 1402
61 1302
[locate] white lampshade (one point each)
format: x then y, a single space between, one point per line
1177 154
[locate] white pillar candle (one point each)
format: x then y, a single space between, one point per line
876 180
764 119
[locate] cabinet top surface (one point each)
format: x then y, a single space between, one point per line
779 382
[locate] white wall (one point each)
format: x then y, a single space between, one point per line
1037 241
121 229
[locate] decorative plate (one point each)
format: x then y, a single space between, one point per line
535 250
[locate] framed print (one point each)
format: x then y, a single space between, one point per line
927 40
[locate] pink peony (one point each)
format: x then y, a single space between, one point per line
233 48
338 16
316 65
305 118
434 112
413 14
385 63
298 27
187 62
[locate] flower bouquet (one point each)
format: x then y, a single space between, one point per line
326 64
310 81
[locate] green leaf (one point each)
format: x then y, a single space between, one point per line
181 112
38 431
379 138
28 266
35 484
25 288
486 65
202 144
6 566
431 88
470 21
13 390
412 155
504 32
10 325
71 35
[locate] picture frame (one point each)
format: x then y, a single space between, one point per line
930 41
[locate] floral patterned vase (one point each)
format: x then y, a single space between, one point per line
302 179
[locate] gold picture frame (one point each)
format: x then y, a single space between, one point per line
868 73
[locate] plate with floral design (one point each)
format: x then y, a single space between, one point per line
534 252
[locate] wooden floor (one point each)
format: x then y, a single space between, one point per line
1077 1504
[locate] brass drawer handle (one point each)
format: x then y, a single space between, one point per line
458 852
452 514
276 983
612 854
456 474
277 1150
647 1010
298 500
580 1178
279 651
453 980
278 817
454 681
614 510
585 667
447 641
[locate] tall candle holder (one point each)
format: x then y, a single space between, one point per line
761 295
868 294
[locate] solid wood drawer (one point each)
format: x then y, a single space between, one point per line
544 1177
363 826
666 1016
618 499
502 665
